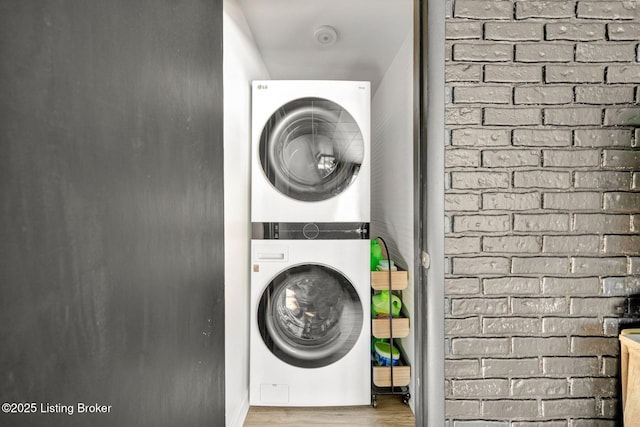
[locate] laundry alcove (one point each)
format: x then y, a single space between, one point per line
358 40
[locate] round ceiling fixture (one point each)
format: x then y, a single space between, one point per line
325 35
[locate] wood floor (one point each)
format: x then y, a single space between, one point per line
390 412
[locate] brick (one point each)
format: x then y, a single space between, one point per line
593 266
463 73
462 286
634 268
623 31
571 158
595 346
572 326
605 52
622 159
480 137
539 306
482 423
575 31
551 346
511 285
587 387
512 73
621 286
511 325
544 52
623 73
622 116
570 286
485 223
622 202
510 201
482 52
569 408
572 201
544 9
461 368
609 410
542 137
480 265
463 116
462 408
512 116
517 409
598 95
461 245
610 366
570 366
574 73
539 387
475 9
469 180
539 424
511 244
462 327
597 306
486 94
602 137
581 116
462 158
480 346
541 222
627 245
510 158
510 367
461 202
541 179
480 388
463 29
603 180
606 10
543 95
513 31
485 306
540 265
604 223
571 244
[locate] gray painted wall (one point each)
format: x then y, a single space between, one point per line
542 209
111 222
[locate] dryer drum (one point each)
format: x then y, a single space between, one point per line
311 149
312 314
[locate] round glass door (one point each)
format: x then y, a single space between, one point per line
311 149
310 316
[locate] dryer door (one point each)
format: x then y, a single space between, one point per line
310 316
311 149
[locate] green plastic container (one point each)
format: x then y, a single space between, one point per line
383 353
376 254
380 304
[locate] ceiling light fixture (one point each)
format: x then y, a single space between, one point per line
325 35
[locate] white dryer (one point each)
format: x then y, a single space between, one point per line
310 151
310 323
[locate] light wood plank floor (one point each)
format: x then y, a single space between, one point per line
391 412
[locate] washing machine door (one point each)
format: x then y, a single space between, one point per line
311 149
310 316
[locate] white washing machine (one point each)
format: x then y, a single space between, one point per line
311 148
310 323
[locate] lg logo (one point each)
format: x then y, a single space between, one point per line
263 87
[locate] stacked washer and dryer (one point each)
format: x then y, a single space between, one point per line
310 213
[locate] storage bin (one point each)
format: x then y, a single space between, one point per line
630 372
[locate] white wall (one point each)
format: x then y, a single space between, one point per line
242 63
392 179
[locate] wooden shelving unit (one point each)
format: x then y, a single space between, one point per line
390 379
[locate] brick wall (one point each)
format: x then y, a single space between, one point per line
543 209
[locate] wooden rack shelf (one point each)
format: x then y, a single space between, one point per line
380 280
380 327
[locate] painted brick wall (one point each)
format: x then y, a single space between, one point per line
543 209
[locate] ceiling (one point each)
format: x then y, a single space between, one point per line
370 33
